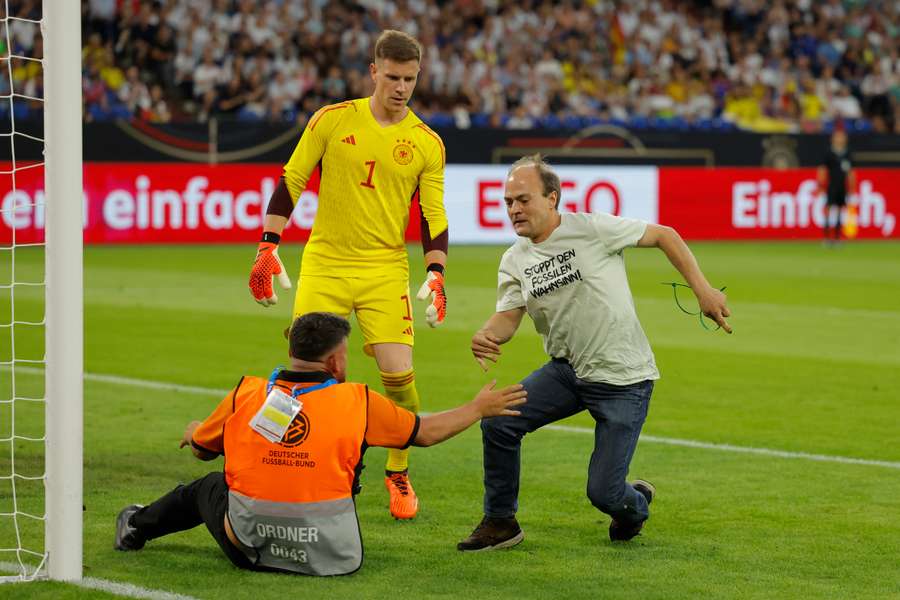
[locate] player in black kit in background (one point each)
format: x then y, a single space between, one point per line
836 177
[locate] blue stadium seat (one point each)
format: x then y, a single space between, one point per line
480 119
659 123
722 125
638 122
248 116
97 113
679 124
21 110
440 119
573 122
119 111
860 126
550 121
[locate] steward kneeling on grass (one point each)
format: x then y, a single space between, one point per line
293 446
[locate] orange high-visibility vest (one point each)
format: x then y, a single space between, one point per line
291 503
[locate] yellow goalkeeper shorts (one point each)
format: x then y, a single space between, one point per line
382 304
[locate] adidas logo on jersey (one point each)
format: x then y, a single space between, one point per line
349 140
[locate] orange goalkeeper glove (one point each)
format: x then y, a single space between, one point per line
267 265
433 291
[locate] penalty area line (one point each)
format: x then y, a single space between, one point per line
645 438
128 590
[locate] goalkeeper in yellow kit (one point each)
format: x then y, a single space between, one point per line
374 154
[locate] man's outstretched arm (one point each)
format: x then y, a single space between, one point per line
498 329
489 402
712 302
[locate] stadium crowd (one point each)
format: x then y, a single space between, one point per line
778 65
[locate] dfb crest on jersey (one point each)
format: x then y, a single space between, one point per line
403 152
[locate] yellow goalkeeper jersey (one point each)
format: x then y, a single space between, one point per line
370 174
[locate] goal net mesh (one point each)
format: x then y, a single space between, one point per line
22 294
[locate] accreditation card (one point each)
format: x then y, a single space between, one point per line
275 415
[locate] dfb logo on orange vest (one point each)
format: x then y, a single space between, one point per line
297 432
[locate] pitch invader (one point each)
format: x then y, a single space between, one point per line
374 154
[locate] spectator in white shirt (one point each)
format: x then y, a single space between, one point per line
207 75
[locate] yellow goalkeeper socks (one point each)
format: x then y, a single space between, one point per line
401 388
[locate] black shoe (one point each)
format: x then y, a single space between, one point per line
623 533
493 534
127 537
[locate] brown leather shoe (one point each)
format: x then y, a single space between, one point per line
493 534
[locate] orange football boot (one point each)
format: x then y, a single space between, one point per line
404 503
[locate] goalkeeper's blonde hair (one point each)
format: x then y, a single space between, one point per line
397 46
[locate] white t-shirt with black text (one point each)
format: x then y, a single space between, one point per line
574 287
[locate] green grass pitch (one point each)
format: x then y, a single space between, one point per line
813 367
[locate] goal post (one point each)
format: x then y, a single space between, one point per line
41 304
64 288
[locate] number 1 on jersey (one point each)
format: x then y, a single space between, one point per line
368 182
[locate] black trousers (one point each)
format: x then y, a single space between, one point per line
202 501
833 213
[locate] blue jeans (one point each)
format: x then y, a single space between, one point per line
554 393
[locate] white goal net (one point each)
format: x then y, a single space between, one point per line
40 290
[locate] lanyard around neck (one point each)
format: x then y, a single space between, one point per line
297 390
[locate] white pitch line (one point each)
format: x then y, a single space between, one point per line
154 385
104 585
129 590
142 383
847 460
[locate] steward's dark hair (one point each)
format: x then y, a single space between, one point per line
314 335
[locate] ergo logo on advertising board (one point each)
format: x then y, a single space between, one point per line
490 198
477 211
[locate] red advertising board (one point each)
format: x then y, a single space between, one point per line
161 203
191 203
733 203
